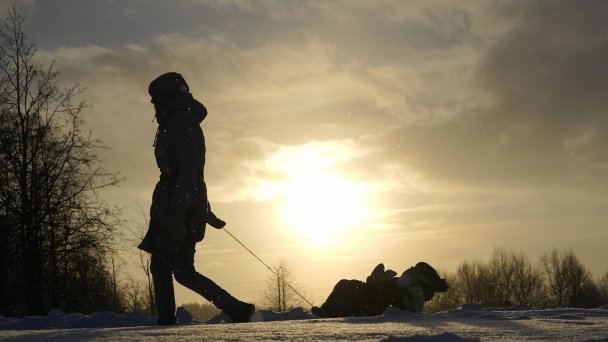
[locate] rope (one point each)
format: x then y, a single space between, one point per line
268 267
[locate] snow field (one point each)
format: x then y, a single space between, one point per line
467 323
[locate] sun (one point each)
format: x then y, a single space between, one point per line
322 206
319 204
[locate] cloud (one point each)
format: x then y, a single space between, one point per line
526 113
260 170
556 55
547 78
258 102
479 112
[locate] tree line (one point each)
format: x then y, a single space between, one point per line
511 279
56 234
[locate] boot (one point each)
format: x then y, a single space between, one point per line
243 313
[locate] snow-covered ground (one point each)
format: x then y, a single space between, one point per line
468 323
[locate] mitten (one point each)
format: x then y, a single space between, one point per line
214 221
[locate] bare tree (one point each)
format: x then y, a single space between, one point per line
508 279
514 280
55 230
500 276
117 295
144 263
602 286
142 259
527 284
134 295
568 281
475 286
279 294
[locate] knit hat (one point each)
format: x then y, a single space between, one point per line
169 83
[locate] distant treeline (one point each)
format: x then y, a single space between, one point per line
510 279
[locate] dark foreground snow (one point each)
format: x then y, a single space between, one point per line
468 323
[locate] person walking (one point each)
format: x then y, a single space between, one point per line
180 209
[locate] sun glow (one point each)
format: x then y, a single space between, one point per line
323 206
319 203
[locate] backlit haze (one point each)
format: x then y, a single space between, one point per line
342 134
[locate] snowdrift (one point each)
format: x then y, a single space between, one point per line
470 322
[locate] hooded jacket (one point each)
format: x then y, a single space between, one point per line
179 149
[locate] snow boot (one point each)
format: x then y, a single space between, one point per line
166 321
317 311
244 314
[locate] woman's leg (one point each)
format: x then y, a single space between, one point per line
163 290
185 274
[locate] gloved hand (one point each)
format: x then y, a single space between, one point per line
214 221
379 274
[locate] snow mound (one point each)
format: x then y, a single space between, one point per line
184 317
470 307
293 314
219 319
57 319
445 337
267 316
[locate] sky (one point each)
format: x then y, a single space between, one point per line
342 134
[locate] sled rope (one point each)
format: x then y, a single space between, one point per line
268 267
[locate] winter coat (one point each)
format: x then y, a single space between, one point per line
180 157
179 202
357 298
